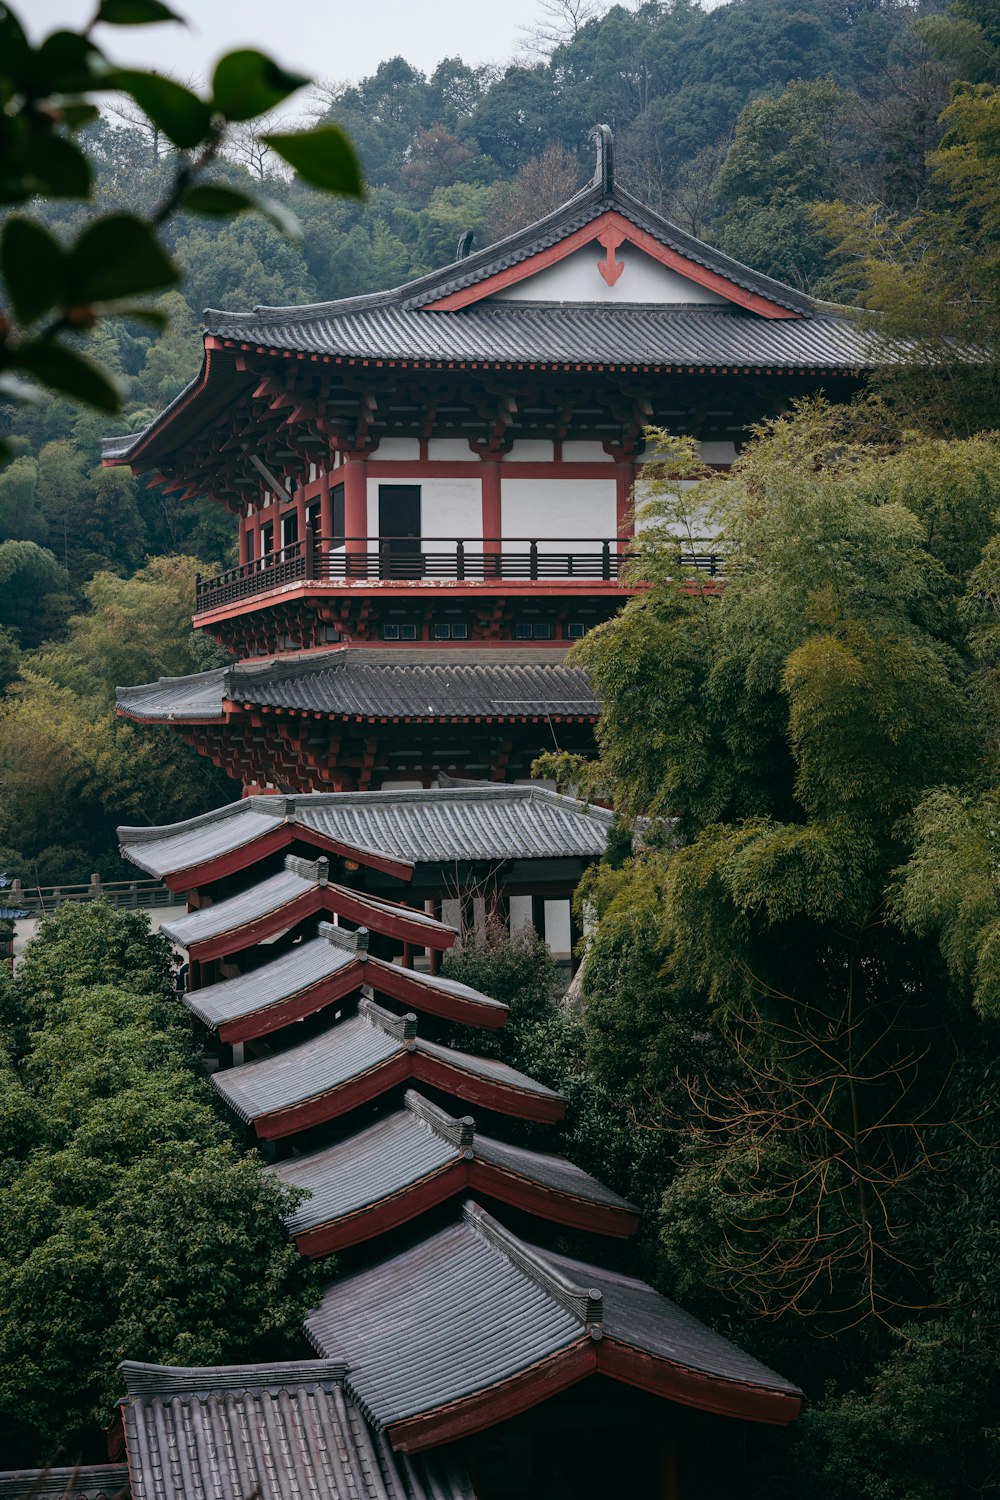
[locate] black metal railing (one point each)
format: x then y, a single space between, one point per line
458 559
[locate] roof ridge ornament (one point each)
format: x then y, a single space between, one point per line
604 172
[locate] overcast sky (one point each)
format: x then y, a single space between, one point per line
335 40
328 39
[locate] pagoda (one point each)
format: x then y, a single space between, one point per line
433 488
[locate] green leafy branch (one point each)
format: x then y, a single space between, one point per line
55 293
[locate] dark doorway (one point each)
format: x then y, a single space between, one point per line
399 531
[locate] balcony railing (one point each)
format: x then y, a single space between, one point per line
134 894
407 559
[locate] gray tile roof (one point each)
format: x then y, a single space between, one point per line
345 1053
675 338
392 325
84 1482
176 847
280 1432
301 968
375 681
462 823
474 1305
407 1148
266 899
309 963
315 1067
474 823
447 1318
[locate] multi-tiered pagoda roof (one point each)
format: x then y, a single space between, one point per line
434 486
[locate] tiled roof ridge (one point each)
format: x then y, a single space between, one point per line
152 834
340 937
458 1131
403 1028
582 208
315 870
585 1303
151 1382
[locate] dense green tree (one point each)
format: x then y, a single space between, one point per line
783 983
133 1228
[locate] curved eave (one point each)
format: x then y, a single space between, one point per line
199 401
593 1355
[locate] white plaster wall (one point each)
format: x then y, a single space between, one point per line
520 913
562 510
454 450
577 279
530 451
557 929
396 448
581 451
451 508
717 452
701 527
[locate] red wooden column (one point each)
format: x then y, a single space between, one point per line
624 458
244 546
300 514
355 472
492 506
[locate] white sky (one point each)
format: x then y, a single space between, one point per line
327 39
335 40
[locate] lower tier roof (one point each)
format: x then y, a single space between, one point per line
468 1327
299 890
406 1163
359 1059
393 830
278 1431
375 682
317 973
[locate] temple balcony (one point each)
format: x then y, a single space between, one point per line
319 590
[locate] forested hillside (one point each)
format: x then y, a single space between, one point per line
733 122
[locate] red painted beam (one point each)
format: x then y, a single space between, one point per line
506 1098
394 924
508 1399
711 1393
547 1203
388 979
338 1101
236 859
294 1007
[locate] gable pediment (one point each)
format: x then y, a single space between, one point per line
607 261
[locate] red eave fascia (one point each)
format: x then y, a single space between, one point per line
394 924
336 1101
212 345
497 1403
461 1176
398 984
269 843
588 1356
229 863
688 1387
608 225
410 1064
304 1002
487 1093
